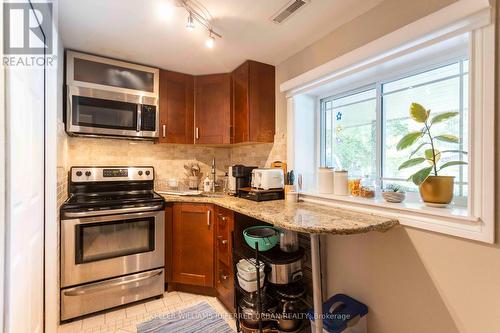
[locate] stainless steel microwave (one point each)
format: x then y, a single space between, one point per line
107 97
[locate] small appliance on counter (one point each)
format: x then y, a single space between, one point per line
267 184
267 179
239 177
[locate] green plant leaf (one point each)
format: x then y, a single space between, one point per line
447 138
429 155
418 148
408 140
452 163
420 176
412 162
418 113
443 116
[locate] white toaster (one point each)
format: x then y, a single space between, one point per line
266 179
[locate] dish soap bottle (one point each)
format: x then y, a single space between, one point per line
206 184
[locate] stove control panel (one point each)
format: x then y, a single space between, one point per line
107 174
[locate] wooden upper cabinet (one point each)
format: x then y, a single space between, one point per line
213 109
253 102
193 245
176 107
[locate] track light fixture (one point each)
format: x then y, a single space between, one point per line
197 12
190 22
210 41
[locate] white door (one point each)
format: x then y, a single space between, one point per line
25 201
24 292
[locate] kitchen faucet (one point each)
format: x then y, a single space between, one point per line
213 174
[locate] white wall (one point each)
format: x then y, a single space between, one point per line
304 140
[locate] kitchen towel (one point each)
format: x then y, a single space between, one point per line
198 318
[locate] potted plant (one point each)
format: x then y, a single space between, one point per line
434 189
394 193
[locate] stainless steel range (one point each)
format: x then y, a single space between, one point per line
112 239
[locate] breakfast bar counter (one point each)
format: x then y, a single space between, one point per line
301 217
304 217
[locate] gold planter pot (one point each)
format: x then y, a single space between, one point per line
437 190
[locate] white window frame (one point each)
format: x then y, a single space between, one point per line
478 223
415 69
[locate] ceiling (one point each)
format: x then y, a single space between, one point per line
144 32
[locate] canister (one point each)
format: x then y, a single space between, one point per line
341 183
325 180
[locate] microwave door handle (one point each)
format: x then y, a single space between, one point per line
69 114
139 117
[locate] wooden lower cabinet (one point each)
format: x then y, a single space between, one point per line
224 275
193 244
198 251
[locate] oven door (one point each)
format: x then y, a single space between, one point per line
99 112
102 247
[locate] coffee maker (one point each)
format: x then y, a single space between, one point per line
239 176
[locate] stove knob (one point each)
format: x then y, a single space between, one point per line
147 173
88 173
140 173
78 173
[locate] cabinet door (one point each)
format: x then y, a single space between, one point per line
253 102
261 102
241 122
224 221
193 245
176 107
224 227
225 285
213 109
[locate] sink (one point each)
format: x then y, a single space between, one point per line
212 195
194 194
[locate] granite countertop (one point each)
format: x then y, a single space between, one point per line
302 217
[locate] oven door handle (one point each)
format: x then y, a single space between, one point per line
113 211
78 291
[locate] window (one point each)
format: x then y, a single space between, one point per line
349 127
360 128
364 95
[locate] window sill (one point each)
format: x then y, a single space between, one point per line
452 220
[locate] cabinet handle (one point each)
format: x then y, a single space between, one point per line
197 133
222 241
164 130
224 277
208 217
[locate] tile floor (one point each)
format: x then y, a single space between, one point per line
125 320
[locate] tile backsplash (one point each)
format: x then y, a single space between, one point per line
167 159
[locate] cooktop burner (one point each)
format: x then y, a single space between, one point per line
108 188
107 199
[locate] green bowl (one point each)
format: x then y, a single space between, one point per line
266 237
